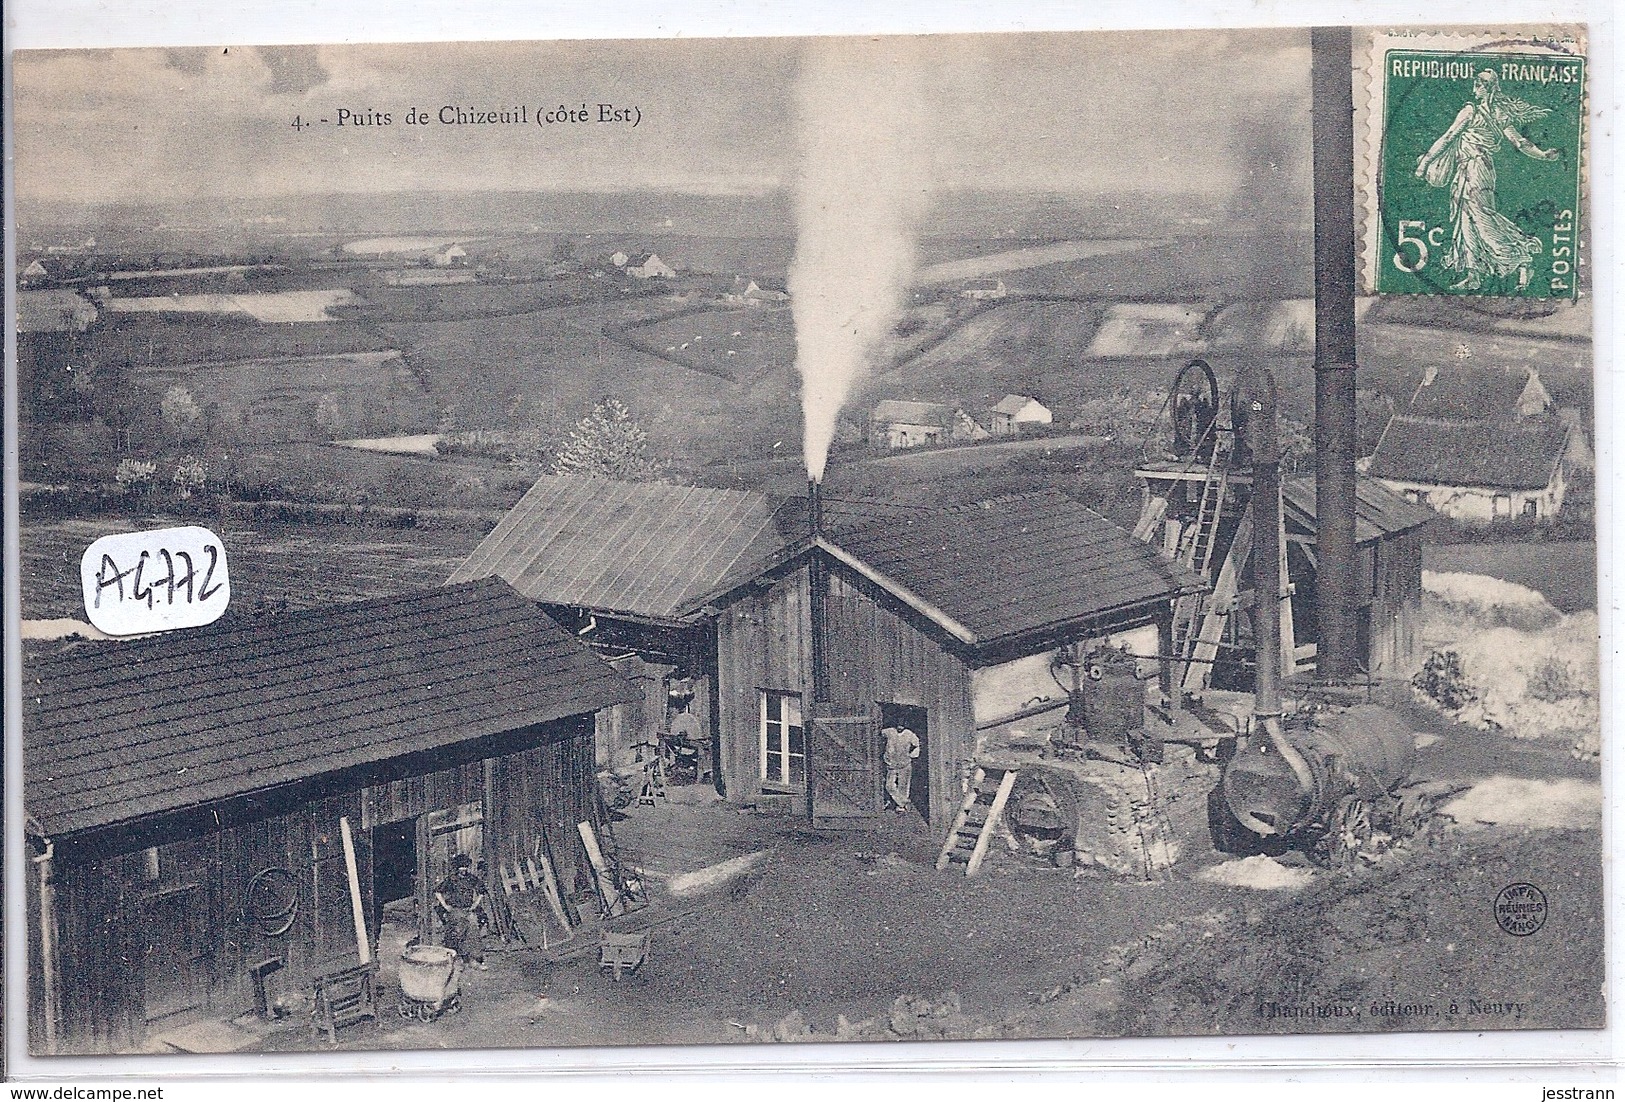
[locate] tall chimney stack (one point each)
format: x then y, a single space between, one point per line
818 593
1337 588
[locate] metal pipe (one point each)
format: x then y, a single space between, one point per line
1337 587
818 586
1256 398
47 941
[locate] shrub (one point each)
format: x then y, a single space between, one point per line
133 472
1553 681
1442 680
190 477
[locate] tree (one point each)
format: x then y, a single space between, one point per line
608 443
180 411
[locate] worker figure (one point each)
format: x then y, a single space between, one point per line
902 747
687 732
458 898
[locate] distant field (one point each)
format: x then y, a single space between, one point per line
305 397
739 343
272 306
1566 573
160 339
545 370
305 565
450 302
1015 260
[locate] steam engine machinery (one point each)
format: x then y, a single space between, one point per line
1326 778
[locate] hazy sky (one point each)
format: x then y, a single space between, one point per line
1208 112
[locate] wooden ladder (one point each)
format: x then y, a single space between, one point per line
978 818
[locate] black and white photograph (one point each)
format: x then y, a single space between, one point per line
775 541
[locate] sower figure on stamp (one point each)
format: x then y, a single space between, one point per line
1484 243
902 747
458 898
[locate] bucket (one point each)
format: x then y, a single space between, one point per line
428 972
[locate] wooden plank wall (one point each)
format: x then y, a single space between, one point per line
552 787
1396 606
876 655
102 904
762 643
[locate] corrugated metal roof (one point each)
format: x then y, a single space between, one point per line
115 732
1378 511
642 548
1500 454
1014 565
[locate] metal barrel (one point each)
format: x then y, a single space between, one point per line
1370 743
1374 743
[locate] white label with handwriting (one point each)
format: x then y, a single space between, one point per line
139 582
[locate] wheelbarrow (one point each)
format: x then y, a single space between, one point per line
622 952
431 982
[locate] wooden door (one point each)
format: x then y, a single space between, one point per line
844 770
175 958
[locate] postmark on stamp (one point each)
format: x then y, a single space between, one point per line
1478 166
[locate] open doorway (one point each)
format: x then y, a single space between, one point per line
394 870
913 718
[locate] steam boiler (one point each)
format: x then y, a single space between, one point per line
1324 781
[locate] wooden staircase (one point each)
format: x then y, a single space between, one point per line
978 818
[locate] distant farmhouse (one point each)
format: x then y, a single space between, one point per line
902 424
984 290
452 256
1482 446
1015 411
650 266
36 272
746 292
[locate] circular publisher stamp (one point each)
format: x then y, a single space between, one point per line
1520 909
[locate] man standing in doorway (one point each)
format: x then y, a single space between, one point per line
902 747
459 898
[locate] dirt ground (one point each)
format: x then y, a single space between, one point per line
858 936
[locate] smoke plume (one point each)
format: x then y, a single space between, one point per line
859 198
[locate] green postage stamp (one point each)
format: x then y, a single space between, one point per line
1479 166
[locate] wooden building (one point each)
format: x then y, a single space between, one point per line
620 563
230 808
1388 541
944 619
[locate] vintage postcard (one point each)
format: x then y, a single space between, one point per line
758 541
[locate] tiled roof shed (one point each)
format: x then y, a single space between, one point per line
1378 511
637 548
1011 567
1502 454
121 731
